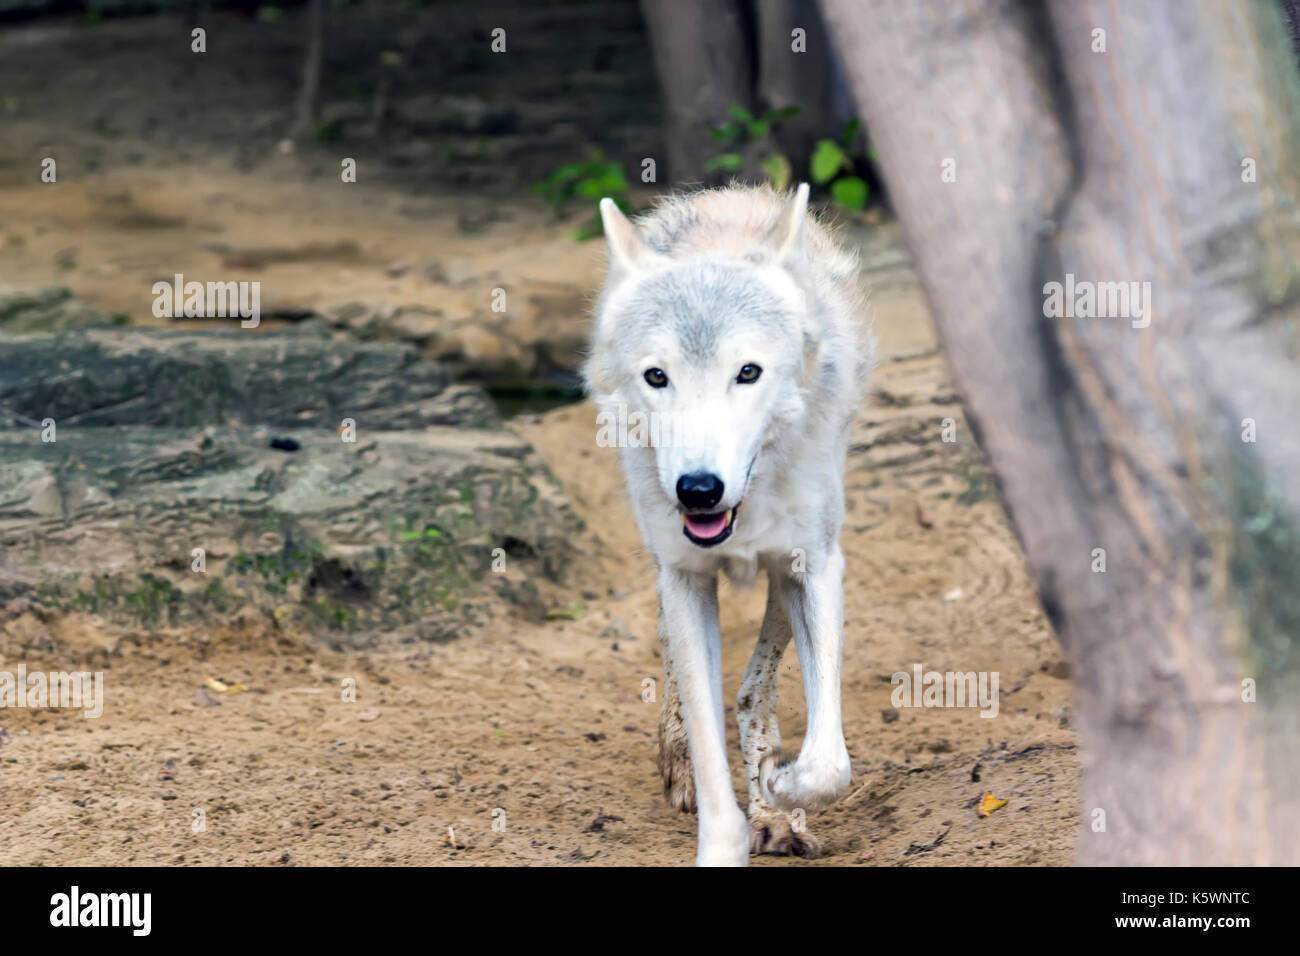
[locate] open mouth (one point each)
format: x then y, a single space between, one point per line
706 530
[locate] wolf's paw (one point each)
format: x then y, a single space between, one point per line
677 773
724 842
803 783
774 832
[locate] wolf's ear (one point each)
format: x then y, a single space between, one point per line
626 249
787 236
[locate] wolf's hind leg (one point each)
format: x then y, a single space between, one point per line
771 830
674 750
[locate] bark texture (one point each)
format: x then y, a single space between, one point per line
1020 145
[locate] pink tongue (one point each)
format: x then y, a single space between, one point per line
706 526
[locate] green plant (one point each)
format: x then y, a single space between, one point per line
590 180
743 128
831 166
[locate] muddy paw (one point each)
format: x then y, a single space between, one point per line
776 833
804 783
677 773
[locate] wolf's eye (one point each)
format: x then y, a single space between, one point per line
656 378
748 374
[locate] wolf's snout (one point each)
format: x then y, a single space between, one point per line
699 490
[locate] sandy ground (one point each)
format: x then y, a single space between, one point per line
540 728
543 727
546 723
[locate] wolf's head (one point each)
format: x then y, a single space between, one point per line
713 351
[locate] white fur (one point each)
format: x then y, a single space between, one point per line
701 286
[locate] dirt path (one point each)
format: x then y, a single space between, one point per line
544 726
547 724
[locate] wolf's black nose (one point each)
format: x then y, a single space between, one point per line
699 490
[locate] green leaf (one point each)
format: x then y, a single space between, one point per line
849 134
594 179
759 128
827 160
613 181
778 171
567 172
785 112
727 132
850 192
728 161
740 113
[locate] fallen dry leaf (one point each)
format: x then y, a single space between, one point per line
989 803
223 688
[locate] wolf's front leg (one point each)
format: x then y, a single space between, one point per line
674 747
689 604
814 599
771 830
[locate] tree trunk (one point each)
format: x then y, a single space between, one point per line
1128 165
701 54
790 78
309 86
1292 10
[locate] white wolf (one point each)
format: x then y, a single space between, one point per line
734 311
